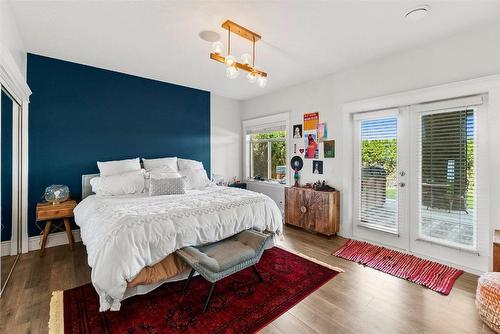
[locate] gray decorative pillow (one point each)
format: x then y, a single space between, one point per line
167 186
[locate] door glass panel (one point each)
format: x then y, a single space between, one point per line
447 178
379 197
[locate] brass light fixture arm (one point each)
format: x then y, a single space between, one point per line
245 33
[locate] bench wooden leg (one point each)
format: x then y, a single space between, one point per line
186 285
212 288
45 235
257 273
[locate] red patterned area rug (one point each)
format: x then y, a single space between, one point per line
432 275
240 303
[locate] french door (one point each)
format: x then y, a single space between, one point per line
380 174
415 184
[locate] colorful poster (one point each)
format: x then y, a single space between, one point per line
329 148
317 167
311 145
322 131
311 121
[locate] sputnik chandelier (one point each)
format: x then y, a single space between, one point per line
247 61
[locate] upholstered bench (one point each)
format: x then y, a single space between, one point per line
488 299
226 257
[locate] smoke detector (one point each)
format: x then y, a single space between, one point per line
209 36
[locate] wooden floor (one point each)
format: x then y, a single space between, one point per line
361 300
7 262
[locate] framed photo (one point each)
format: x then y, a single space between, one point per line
317 167
329 148
297 131
322 131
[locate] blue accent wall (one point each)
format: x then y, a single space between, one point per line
80 114
6 163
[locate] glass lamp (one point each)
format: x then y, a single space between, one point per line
230 60
262 81
217 47
232 72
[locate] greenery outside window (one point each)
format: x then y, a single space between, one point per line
268 155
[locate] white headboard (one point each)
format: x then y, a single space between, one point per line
86 188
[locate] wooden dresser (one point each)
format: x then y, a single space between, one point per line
316 211
496 251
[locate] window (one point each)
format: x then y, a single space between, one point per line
447 172
265 156
268 155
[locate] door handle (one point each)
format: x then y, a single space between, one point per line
402 184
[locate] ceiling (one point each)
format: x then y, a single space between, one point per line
300 40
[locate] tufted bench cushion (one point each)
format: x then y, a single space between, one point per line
221 256
488 299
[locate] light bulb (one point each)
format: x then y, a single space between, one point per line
252 77
262 81
217 47
246 58
232 72
230 60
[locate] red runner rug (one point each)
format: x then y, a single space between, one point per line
240 303
432 275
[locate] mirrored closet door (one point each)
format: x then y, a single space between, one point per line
9 184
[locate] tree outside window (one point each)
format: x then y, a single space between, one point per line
268 155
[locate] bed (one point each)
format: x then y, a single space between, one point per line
128 235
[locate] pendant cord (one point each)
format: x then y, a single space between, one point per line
253 52
229 41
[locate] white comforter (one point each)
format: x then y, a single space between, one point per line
123 234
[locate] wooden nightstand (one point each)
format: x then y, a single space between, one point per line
48 212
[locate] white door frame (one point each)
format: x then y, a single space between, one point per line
489 85
15 83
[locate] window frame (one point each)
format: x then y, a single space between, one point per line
281 119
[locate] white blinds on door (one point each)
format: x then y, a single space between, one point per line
378 205
447 187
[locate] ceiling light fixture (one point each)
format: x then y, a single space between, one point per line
248 61
418 13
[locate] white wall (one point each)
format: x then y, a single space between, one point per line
10 38
464 56
226 141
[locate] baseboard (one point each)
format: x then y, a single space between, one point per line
55 239
5 248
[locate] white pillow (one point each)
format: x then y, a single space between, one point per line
195 179
108 168
119 184
166 163
189 164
